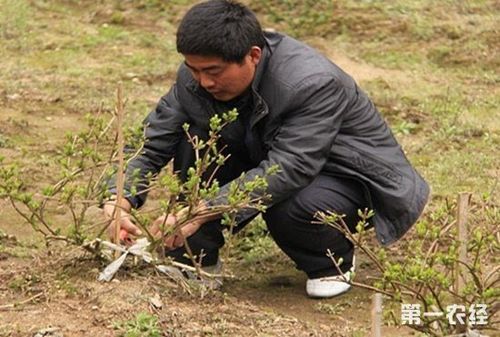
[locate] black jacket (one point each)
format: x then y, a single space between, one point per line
311 118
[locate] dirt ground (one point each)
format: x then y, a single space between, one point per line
61 292
63 59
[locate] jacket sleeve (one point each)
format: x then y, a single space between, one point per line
302 145
163 129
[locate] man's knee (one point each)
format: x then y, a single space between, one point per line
300 207
322 195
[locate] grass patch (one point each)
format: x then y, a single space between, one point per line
143 325
13 18
254 243
396 34
393 58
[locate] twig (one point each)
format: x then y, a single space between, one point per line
119 176
377 315
491 274
13 305
30 220
462 209
359 285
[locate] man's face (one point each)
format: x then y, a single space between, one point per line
224 80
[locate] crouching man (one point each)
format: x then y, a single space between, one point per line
297 110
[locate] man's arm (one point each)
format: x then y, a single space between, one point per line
304 141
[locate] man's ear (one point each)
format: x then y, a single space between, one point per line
255 54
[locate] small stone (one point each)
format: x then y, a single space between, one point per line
208 330
49 332
156 302
14 97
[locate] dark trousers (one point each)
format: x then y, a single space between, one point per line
289 222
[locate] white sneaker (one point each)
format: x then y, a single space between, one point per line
329 286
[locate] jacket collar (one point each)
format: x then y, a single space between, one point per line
259 71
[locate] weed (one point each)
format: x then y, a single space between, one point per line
117 18
24 283
332 309
144 325
359 333
63 283
4 141
404 128
255 243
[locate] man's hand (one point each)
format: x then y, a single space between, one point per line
176 238
126 223
164 225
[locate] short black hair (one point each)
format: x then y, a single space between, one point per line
220 28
